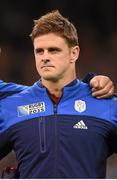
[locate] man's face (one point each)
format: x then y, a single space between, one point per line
54 59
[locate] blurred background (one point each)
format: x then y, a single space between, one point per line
96 22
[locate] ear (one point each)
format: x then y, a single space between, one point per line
75 53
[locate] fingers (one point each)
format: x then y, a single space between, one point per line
100 81
94 83
103 93
102 87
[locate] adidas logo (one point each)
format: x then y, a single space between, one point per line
80 125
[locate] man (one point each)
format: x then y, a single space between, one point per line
56 128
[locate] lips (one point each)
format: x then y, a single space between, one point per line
46 66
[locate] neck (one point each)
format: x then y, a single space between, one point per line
56 87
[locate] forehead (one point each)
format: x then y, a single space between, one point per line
50 39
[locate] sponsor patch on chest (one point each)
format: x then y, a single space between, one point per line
31 109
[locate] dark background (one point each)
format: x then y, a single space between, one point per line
96 21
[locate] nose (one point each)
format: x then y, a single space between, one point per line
45 60
45 57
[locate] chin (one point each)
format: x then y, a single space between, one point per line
50 78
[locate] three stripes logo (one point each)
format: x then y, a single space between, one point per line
80 125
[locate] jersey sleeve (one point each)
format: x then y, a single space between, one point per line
5 145
7 89
113 135
88 77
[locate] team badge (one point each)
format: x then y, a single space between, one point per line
80 105
31 109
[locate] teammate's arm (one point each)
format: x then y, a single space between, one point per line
7 89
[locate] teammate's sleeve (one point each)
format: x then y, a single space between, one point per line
88 77
5 146
113 134
7 89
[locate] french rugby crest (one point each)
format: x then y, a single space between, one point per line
80 105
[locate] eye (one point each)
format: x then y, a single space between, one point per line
54 50
39 51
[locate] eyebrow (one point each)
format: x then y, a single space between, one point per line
54 48
49 49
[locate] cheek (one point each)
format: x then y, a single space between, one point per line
63 66
37 60
37 63
64 61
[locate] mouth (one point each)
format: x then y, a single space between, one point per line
46 66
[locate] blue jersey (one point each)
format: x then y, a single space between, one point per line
7 89
70 140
